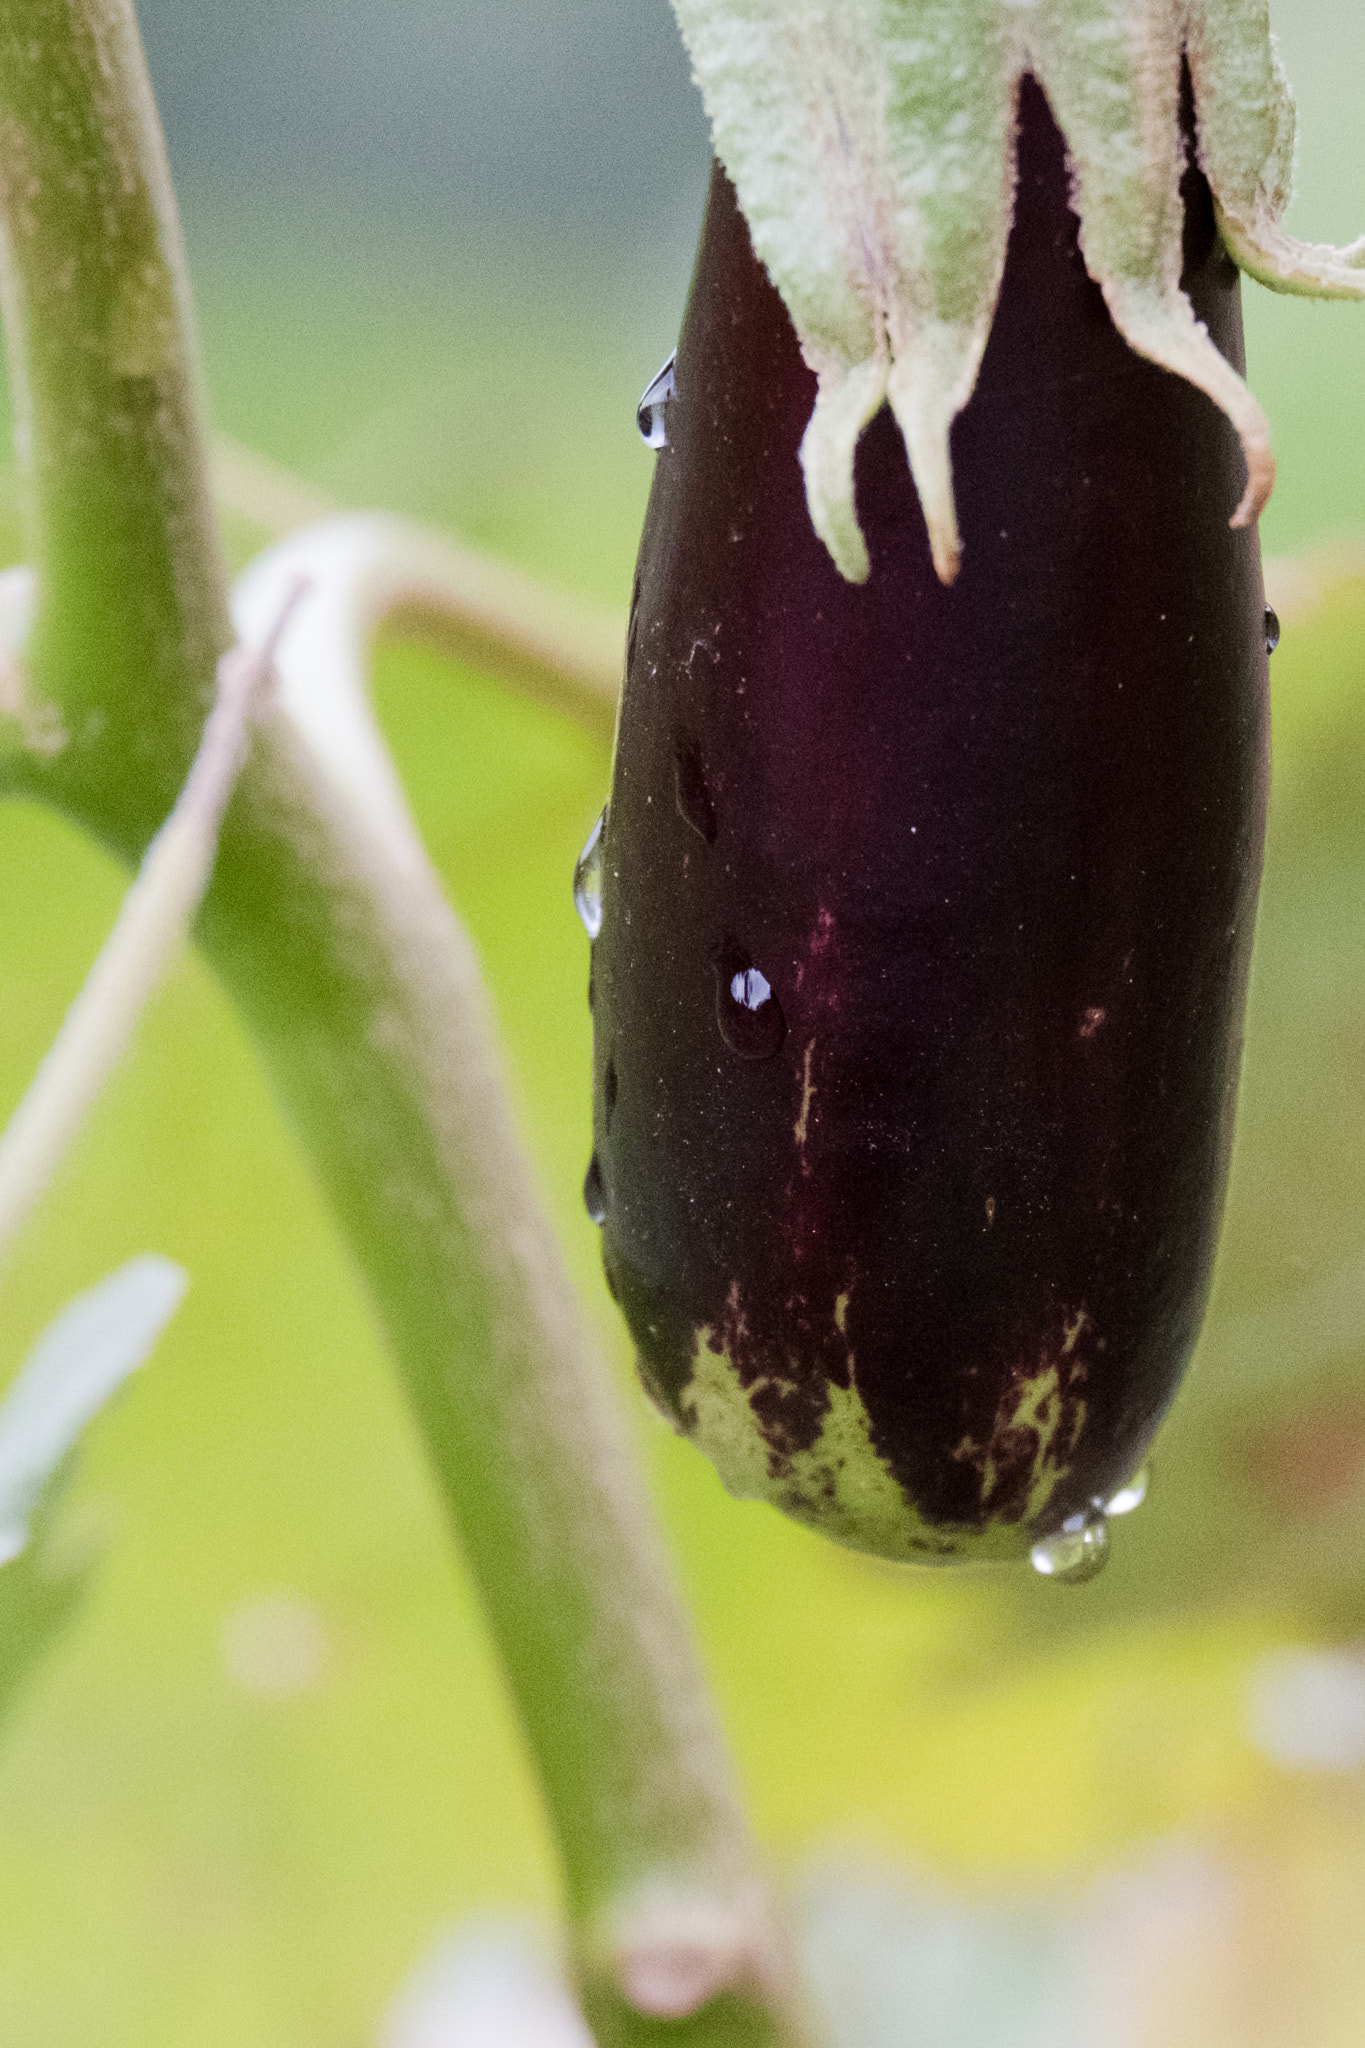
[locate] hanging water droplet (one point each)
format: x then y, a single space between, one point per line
1076 1551
1272 631
693 796
1130 1496
595 1192
587 880
749 1014
650 413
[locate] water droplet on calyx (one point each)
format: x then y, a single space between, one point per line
595 1192
1272 631
587 879
651 413
747 1010
1076 1551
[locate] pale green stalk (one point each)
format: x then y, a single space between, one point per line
421 585
363 993
152 924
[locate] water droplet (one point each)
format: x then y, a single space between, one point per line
1272 631
693 796
595 1192
749 1014
1076 1551
1130 1496
651 412
587 880
633 629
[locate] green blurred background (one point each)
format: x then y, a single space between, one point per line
438 250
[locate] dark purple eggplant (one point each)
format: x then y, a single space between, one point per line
926 914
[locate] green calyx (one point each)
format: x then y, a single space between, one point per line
872 146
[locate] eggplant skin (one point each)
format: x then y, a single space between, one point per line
927 912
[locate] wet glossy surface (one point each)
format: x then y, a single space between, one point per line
992 852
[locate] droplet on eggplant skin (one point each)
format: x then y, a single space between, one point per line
1076 1552
797 1241
1272 630
595 1191
1129 1497
587 882
748 1011
651 414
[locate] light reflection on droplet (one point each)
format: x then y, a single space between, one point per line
1130 1496
748 1012
587 879
651 414
1076 1551
595 1192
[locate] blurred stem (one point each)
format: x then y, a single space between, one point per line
362 989
421 585
132 613
151 926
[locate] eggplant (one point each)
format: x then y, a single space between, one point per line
926 913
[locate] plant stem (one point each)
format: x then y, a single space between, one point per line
424 586
133 614
330 931
377 1030
151 925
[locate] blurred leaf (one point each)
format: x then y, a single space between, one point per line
77 1364
37 1599
894 1960
492 1985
